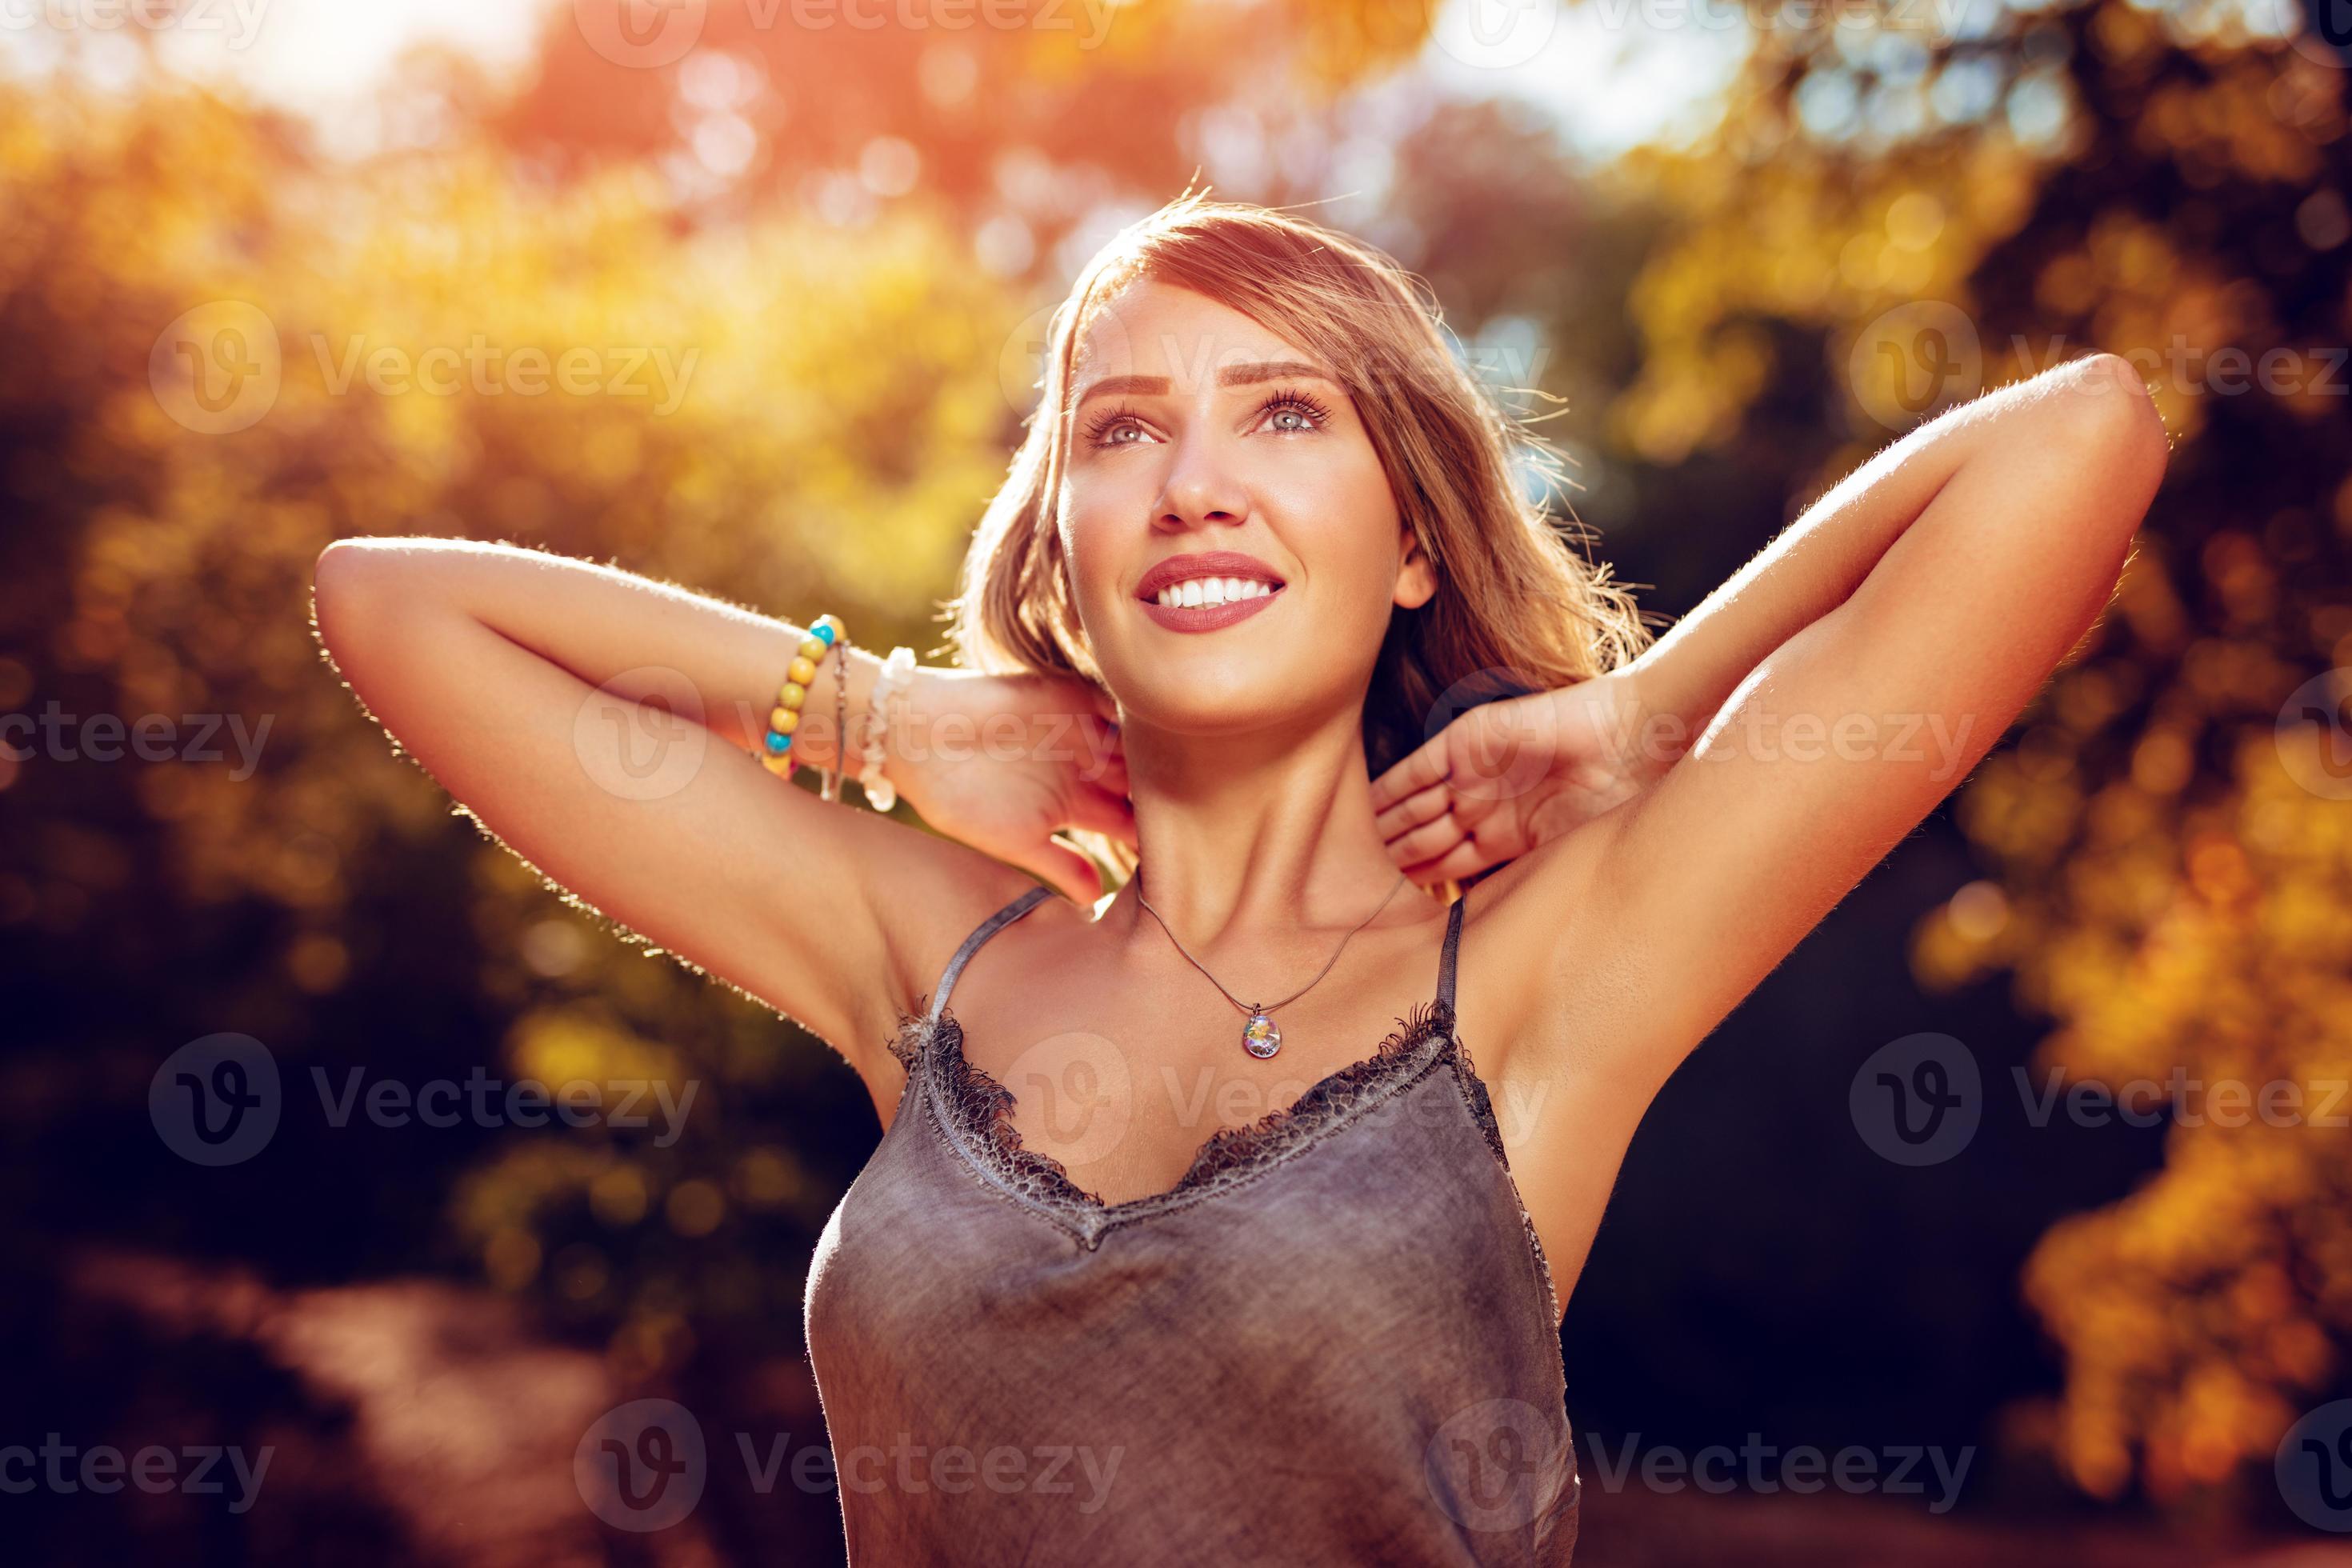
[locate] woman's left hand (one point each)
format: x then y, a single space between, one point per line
1511 774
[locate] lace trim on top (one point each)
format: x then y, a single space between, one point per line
975 1102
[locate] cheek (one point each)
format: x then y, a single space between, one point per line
1088 549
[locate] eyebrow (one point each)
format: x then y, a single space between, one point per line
1232 375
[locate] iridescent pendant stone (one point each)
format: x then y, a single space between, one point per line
1260 1037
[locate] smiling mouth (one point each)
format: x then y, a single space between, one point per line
1196 592
1174 607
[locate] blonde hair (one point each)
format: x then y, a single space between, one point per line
1517 608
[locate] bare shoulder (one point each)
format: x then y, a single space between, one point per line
1544 987
930 892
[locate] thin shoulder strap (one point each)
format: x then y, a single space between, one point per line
1452 944
987 928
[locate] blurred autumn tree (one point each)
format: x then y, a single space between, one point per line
755 402
810 354
840 245
1890 219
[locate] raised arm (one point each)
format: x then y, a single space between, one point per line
1838 688
600 724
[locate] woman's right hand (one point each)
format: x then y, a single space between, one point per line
1002 763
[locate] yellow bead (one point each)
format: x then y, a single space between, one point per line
833 621
801 672
783 721
780 767
793 695
811 648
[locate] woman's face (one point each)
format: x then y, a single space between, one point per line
1203 448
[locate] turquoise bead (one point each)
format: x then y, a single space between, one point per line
823 634
778 744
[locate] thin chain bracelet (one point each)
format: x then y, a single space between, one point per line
889 686
831 788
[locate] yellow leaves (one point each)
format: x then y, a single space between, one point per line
1804 237
2237 120
585 1044
618 1196
2189 1312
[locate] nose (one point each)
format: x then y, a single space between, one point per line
1201 490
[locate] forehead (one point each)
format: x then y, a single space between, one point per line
1152 327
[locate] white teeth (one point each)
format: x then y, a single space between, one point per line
1201 590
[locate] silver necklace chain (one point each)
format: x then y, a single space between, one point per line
1294 996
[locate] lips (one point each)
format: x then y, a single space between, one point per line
1210 563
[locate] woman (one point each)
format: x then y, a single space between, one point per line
1163 1258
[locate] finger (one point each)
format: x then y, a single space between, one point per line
1105 704
1465 859
1425 805
1470 810
1064 869
1100 811
1424 767
1426 842
1107 772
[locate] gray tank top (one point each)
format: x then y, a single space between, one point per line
1334 1340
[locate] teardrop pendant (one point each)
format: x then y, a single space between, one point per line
1260 1036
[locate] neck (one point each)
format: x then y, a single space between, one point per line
1258 832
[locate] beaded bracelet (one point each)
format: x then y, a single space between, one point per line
784 718
880 793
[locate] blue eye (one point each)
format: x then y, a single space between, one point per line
1298 402
1313 415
